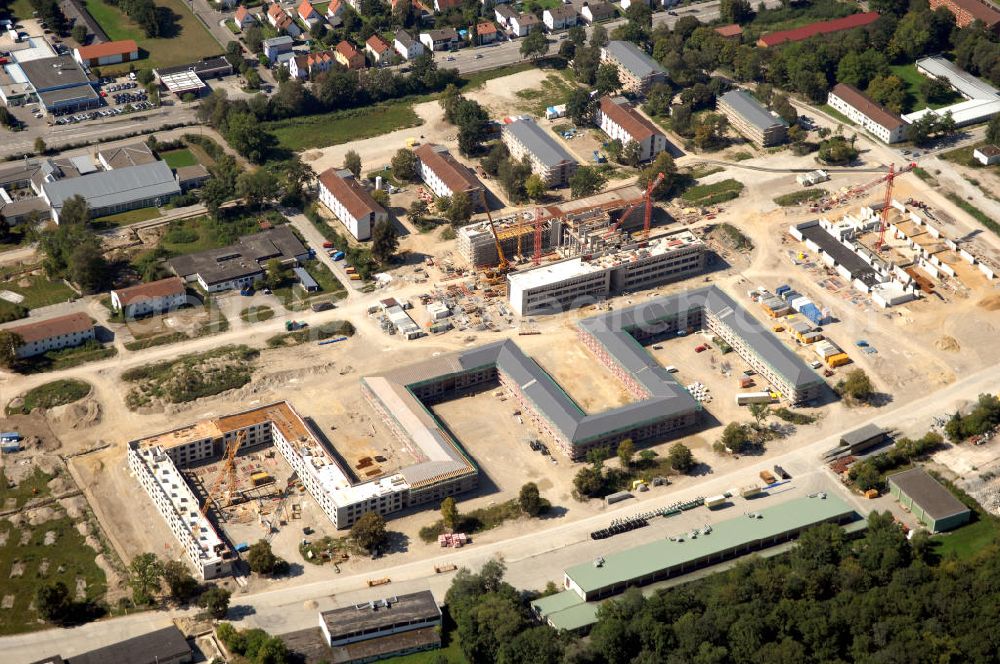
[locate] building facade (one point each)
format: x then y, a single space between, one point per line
407 47
107 53
637 71
445 176
350 202
968 11
154 297
620 120
53 333
751 119
869 115
549 160
932 504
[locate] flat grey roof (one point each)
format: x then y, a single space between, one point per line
859 269
634 59
305 278
283 40
76 93
967 85
241 258
382 614
545 147
935 500
751 110
167 644
206 66
120 186
59 72
862 435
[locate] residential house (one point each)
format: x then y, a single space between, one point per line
620 120
243 18
349 56
597 11
441 40
350 202
281 21
276 46
335 12
874 118
486 32
969 11
751 119
445 176
522 24
549 159
297 67
733 31
504 14
308 14
559 18
378 50
155 297
443 6
53 333
407 47
636 69
309 65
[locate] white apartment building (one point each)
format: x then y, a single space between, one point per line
549 160
874 118
350 202
156 296
445 176
620 120
53 334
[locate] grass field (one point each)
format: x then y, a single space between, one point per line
40 292
320 131
257 314
711 194
915 99
67 358
835 114
57 393
179 158
802 196
969 539
555 90
66 558
975 212
194 235
191 42
126 218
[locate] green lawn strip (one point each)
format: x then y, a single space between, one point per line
67 358
801 196
699 171
913 79
532 6
157 340
475 521
975 212
57 393
191 42
835 114
711 194
968 540
69 559
318 131
179 158
40 292
923 175
126 218
256 314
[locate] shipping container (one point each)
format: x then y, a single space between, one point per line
750 491
768 477
10 435
790 295
837 360
748 398
715 502
782 289
618 497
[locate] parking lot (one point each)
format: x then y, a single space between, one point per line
120 95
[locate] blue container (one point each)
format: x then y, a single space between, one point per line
812 312
781 289
10 435
790 295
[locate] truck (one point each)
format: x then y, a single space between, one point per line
768 477
747 398
716 502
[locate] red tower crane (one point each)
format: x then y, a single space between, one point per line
888 179
647 199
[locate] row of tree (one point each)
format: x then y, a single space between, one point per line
155 20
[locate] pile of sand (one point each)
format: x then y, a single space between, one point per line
990 303
947 343
79 415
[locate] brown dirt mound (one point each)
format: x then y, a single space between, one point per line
991 303
947 343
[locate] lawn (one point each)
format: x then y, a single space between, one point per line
21 9
201 233
126 218
712 194
191 42
835 114
57 393
801 196
40 291
319 131
179 158
555 90
915 99
963 156
67 358
257 314
969 539
532 6
67 558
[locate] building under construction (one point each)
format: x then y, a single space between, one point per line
571 228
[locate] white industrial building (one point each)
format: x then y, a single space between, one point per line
579 281
350 202
982 100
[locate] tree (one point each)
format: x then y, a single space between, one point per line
75 211
865 475
580 107
381 196
417 211
536 645
631 154
216 601
369 531
530 500
607 78
87 268
535 187
993 130
784 108
586 61
352 162
658 100
760 412
736 11
181 584
735 437
234 54
40 147
449 513
274 274
459 209
838 151
404 165
680 458
599 36
890 91
247 137
577 35
52 601
663 163
856 386
588 482
256 186
894 7
534 45
384 241
9 343
260 557
597 455
144 577
79 34
626 450
586 181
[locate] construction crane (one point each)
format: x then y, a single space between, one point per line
497 276
227 474
889 178
519 230
647 200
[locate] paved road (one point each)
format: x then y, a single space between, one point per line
315 240
532 559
